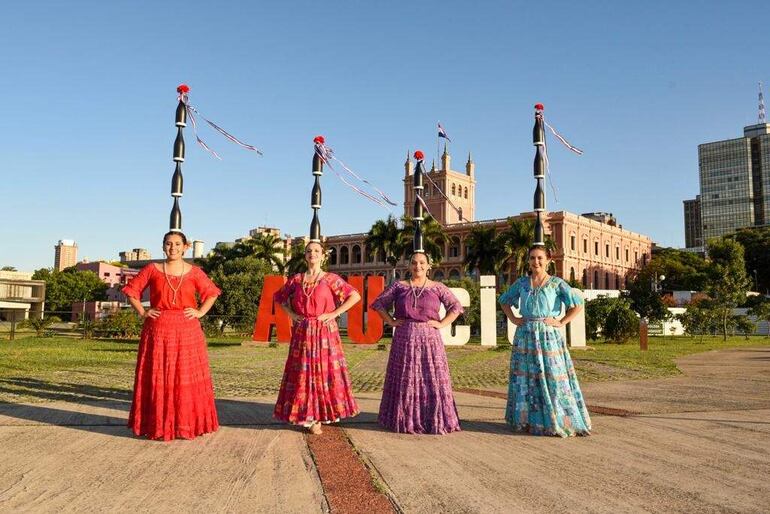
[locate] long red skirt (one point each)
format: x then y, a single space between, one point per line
173 392
316 383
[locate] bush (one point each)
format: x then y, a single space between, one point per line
612 319
124 323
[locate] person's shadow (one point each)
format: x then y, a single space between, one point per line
85 399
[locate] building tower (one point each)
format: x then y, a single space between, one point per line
735 180
65 254
459 188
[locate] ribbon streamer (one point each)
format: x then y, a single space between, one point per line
191 111
327 154
563 141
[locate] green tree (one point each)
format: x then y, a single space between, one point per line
643 298
760 309
472 314
743 325
385 238
296 263
434 238
241 280
684 271
269 248
611 319
8 268
698 319
39 325
483 251
728 283
63 288
515 242
756 242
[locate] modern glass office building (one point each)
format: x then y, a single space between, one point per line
734 185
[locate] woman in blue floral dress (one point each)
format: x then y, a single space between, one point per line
544 396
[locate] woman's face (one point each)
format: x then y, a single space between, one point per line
418 265
538 261
314 254
174 247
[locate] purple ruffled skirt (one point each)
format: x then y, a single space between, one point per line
417 397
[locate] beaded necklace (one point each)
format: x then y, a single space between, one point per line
308 292
416 295
174 289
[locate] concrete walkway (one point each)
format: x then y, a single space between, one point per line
700 443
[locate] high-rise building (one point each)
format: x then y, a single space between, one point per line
735 182
693 227
66 254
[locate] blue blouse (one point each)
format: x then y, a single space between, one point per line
541 302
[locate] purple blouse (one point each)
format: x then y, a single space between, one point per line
415 306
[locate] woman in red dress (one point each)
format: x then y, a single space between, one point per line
173 392
316 384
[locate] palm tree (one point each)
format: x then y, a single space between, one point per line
515 243
434 237
385 237
483 250
268 247
296 262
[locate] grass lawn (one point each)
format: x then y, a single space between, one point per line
39 369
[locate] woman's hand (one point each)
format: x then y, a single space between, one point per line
552 322
326 317
191 313
393 322
151 313
519 322
435 324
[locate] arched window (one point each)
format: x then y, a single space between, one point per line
454 275
439 276
454 247
344 255
585 278
368 257
398 275
453 190
596 284
381 257
333 256
607 280
466 193
356 254
572 275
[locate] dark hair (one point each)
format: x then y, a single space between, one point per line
174 233
427 257
540 247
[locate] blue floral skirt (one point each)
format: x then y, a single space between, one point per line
544 396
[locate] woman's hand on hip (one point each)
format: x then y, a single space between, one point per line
326 317
191 313
435 324
553 322
151 313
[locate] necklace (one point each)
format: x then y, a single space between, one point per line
541 282
416 294
309 284
174 289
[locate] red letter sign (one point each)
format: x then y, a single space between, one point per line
270 314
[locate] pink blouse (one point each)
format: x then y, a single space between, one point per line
329 292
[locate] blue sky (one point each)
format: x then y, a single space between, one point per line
88 97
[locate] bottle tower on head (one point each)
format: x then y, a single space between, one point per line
538 139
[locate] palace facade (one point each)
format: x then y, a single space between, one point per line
591 248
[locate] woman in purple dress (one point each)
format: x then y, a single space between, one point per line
417 398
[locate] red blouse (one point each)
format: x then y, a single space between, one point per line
162 294
329 292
